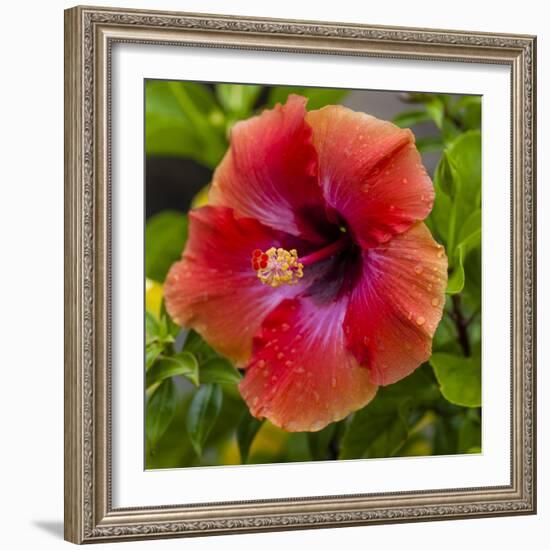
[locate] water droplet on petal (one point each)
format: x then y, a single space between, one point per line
280 355
285 327
420 320
333 382
435 302
418 269
299 370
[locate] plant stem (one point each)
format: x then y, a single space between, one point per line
461 325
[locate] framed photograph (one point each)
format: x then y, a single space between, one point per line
300 274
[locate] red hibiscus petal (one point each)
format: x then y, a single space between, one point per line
371 173
213 288
397 304
301 376
269 172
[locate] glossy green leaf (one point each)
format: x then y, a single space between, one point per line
457 183
198 347
184 119
444 176
457 278
165 238
152 327
181 364
317 97
382 427
160 410
152 351
219 371
246 432
449 130
459 378
202 414
435 108
406 119
464 155
378 430
238 99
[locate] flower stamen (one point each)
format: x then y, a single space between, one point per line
277 266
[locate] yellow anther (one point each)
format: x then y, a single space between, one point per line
277 266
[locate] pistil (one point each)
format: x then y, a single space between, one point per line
325 252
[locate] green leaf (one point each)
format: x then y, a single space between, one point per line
246 432
184 119
464 154
407 119
449 130
160 411
457 182
382 427
238 99
457 278
444 175
219 371
198 347
319 442
470 227
183 363
378 430
317 97
459 378
152 327
152 351
165 238
435 108
202 414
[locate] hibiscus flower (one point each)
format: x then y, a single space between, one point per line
311 267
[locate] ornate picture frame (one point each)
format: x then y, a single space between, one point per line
90 34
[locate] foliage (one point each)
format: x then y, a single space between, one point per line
194 413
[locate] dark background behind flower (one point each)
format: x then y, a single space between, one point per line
195 415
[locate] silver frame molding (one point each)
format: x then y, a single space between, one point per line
89 36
